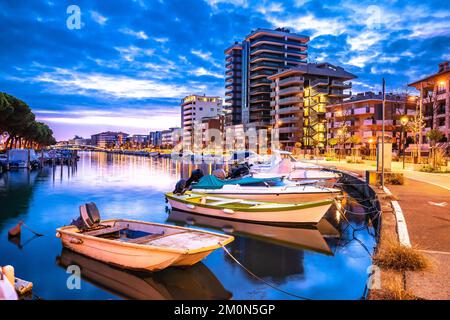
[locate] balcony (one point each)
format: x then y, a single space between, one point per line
267 56
260 99
278 41
266 65
290 100
288 110
338 93
291 80
319 82
341 84
286 120
260 82
290 90
288 129
259 90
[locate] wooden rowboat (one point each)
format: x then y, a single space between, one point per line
246 210
142 245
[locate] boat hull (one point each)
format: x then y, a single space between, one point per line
287 217
281 197
131 256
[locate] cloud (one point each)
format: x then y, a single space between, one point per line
138 34
318 26
97 17
203 72
269 8
68 82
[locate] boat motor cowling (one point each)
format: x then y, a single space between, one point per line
184 184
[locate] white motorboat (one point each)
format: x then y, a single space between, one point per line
273 190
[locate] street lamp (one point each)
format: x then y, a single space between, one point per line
370 148
404 121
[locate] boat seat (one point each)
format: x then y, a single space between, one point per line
145 239
103 231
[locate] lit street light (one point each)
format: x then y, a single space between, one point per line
404 121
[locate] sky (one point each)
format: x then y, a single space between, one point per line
131 61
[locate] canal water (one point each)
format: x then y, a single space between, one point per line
330 262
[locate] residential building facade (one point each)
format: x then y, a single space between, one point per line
299 97
248 66
361 115
138 140
193 109
212 130
434 100
108 139
155 138
171 137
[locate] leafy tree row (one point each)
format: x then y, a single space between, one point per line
18 121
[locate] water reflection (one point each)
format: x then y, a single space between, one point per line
195 283
322 263
297 238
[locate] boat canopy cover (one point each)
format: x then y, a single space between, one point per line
212 182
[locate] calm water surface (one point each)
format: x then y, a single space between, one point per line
329 263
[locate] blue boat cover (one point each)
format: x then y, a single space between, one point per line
212 182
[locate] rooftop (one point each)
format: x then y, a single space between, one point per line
444 68
320 69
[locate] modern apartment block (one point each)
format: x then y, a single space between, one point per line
434 99
248 66
108 139
193 109
361 115
299 98
155 138
171 137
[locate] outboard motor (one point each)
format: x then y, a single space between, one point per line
184 184
239 171
89 217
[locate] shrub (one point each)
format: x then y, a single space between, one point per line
394 256
395 178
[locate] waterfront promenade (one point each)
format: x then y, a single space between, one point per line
425 202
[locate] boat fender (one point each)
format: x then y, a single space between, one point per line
75 241
190 206
58 235
230 211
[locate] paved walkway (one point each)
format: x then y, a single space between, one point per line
425 202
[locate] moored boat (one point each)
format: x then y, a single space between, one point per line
275 190
247 210
138 245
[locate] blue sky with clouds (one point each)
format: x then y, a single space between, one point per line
133 60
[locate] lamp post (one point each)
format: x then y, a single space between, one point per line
370 148
404 121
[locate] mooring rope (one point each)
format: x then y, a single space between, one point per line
259 278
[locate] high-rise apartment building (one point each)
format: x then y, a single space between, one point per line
193 109
298 99
249 64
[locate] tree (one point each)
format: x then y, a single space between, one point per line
416 126
17 120
434 135
332 142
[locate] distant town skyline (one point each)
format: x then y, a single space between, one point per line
124 70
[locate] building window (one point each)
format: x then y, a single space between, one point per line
201 108
441 122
